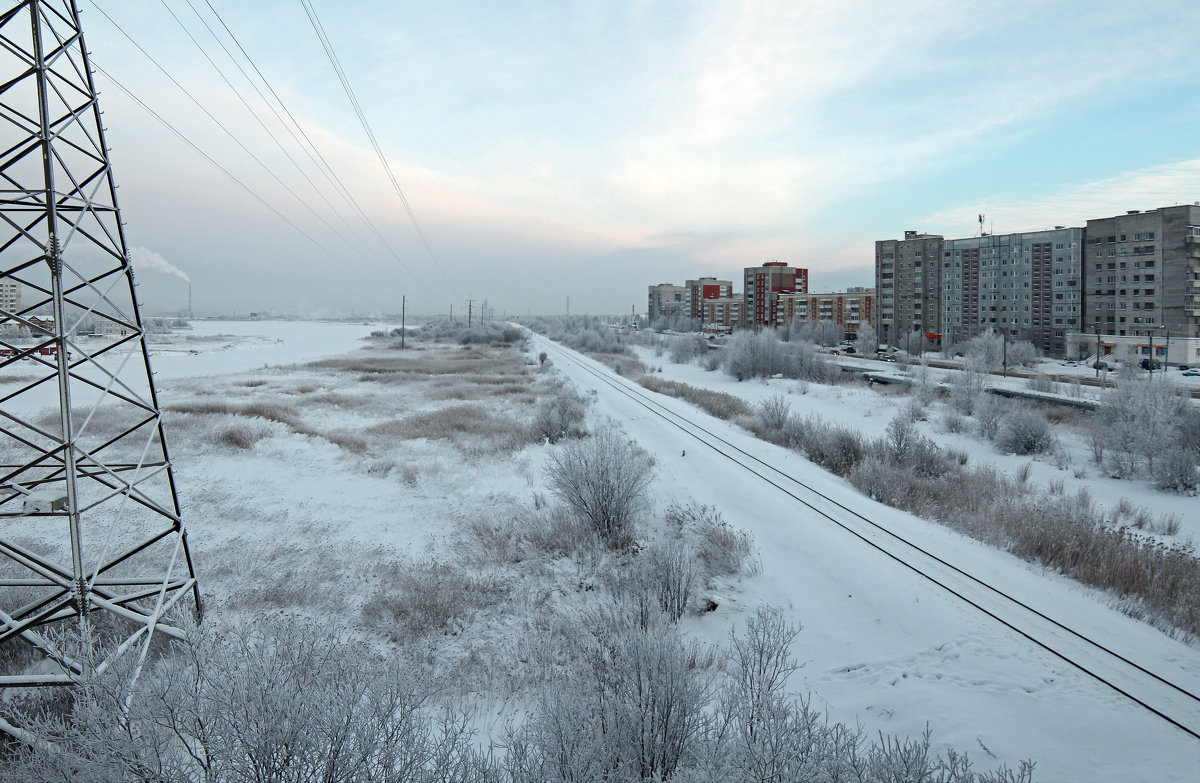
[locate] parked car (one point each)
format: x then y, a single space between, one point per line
1192 374
1145 364
1100 365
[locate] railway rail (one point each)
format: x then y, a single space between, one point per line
1174 703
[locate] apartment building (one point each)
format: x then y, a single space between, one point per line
1143 272
908 283
764 284
1027 285
705 288
666 300
727 311
848 309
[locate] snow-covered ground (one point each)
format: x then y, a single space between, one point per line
870 411
886 648
881 646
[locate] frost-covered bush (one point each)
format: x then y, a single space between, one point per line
966 388
1042 383
716 403
722 549
1024 432
633 707
989 410
761 354
1022 353
605 479
1144 421
867 339
280 700
430 597
642 705
773 412
560 414
687 348
670 572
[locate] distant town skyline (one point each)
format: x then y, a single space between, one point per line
586 151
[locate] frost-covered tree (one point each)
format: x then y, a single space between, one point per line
604 479
1141 421
867 339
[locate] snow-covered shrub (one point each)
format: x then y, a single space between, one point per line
670 572
427 597
1140 422
720 404
605 479
867 339
989 410
686 348
761 354
985 350
1024 431
1042 383
632 708
835 447
280 700
241 434
901 433
1022 353
773 412
966 388
952 422
722 549
559 414
1175 469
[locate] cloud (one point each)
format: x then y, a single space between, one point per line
144 258
1151 188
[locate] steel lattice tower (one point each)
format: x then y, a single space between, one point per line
90 528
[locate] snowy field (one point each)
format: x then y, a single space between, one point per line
315 478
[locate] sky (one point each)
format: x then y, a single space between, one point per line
570 154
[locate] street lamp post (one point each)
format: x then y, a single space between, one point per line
1097 327
1151 330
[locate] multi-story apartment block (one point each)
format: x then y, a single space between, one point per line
1143 273
1026 285
666 300
726 311
848 309
705 288
764 284
908 283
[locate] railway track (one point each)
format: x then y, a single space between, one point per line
1170 698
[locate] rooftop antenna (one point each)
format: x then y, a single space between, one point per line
982 233
92 484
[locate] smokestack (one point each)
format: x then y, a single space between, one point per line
190 299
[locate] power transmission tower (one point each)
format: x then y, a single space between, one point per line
90 529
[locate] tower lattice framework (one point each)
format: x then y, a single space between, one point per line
90 526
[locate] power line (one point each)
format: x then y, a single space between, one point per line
178 134
313 152
315 21
253 112
218 123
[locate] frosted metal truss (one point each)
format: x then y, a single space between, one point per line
90 528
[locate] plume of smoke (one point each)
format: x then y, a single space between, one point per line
144 258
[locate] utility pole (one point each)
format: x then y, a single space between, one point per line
470 311
126 568
402 306
1097 326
